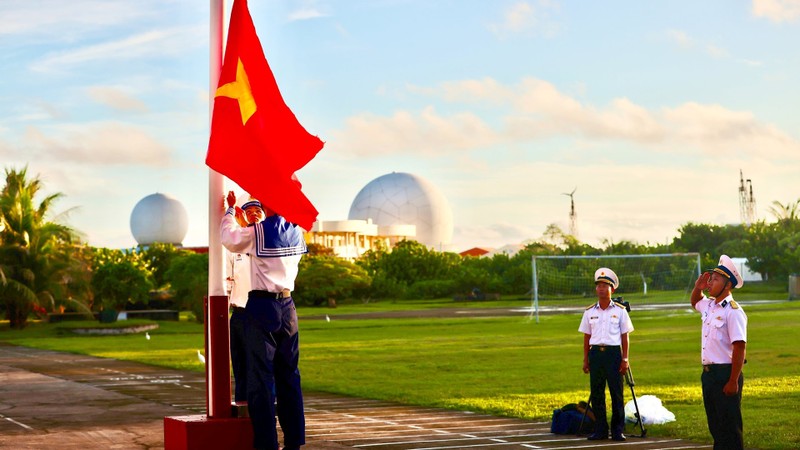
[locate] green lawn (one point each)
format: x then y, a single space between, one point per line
507 366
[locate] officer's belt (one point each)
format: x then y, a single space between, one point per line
603 348
713 367
273 295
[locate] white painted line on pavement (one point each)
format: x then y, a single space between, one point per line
16 423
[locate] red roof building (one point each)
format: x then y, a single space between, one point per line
475 251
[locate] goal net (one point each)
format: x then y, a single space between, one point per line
567 281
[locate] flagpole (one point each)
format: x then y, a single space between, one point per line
218 379
216 182
218 429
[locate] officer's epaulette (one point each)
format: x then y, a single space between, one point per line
734 305
618 304
591 306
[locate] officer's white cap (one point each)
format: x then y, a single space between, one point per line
728 269
251 202
606 275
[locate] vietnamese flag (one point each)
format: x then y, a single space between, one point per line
256 140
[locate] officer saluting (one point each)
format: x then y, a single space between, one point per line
605 327
723 341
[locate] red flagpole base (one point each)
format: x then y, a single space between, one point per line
200 432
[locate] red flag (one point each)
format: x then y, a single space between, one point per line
256 140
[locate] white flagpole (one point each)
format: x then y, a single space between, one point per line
218 376
216 182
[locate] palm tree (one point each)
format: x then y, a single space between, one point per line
789 212
35 253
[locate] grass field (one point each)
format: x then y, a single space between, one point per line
503 365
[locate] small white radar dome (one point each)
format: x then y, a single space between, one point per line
159 218
404 199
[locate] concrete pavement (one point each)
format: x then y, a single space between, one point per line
59 400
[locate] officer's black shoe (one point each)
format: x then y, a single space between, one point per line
618 437
598 436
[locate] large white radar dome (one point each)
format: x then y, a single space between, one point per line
402 198
159 218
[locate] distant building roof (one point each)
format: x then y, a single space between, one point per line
474 251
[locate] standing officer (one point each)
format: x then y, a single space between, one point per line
249 214
605 327
271 334
723 342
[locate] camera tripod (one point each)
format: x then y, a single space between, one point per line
630 382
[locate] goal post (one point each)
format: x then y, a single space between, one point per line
567 281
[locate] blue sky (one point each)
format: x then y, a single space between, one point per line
649 109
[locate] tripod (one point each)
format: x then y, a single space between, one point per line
630 382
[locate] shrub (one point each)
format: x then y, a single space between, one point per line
429 289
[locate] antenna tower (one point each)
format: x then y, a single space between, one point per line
747 202
573 217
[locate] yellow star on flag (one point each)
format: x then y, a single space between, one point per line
240 90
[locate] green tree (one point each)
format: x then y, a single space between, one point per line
324 278
159 257
319 249
35 264
773 249
789 212
78 294
409 263
119 278
188 276
711 241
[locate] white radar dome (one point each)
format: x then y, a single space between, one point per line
404 199
159 218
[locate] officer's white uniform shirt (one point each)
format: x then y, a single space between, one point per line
266 274
606 326
723 324
239 268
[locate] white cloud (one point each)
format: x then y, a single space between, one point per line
716 129
367 134
716 52
116 98
101 144
750 62
535 109
308 9
170 42
525 17
680 38
305 14
627 200
777 10
683 40
60 19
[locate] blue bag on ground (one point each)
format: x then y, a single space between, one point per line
567 419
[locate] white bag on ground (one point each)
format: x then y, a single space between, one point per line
651 410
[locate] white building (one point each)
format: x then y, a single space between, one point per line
388 209
744 271
352 238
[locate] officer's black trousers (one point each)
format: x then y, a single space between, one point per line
239 354
272 357
604 369
724 413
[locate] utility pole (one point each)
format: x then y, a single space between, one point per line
747 202
573 217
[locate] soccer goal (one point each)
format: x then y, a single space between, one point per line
567 282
